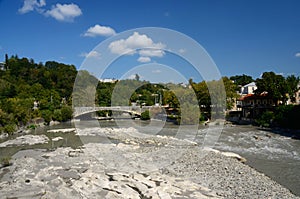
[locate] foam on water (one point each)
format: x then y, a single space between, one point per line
259 142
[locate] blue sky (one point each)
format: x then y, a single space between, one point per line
242 37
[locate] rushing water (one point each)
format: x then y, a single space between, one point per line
275 155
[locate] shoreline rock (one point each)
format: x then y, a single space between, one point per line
145 166
61 130
25 140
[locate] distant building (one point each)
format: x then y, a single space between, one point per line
297 97
107 80
254 105
248 89
183 85
2 66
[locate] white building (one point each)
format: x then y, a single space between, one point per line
108 80
248 89
2 66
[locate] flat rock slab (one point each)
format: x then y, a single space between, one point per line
37 175
26 140
163 168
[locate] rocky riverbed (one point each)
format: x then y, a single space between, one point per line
134 165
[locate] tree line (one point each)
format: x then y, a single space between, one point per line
24 82
30 90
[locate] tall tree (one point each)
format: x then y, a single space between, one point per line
292 85
274 84
137 77
242 79
6 61
231 94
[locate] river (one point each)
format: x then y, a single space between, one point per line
273 154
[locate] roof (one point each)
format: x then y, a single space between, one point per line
263 95
250 84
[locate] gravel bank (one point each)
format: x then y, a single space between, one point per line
137 166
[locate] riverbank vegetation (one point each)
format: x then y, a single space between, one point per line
32 92
283 116
29 91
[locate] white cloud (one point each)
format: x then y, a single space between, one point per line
138 43
92 54
65 12
61 12
297 54
182 51
144 59
30 5
99 30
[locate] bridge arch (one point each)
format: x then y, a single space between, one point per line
78 111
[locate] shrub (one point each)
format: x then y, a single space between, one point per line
265 119
9 128
57 115
5 161
288 116
47 115
66 113
145 115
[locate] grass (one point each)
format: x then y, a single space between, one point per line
5 161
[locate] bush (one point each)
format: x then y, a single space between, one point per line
145 115
5 161
9 128
47 115
57 115
66 113
287 116
265 119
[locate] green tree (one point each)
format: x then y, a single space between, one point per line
292 86
47 115
145 115
274 84
137 77
57 116
231 94
66 113
265 119
6 61
242 80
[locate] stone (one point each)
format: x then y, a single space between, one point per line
26 140
57 139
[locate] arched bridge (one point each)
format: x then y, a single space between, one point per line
127 109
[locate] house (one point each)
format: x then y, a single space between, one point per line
107 80
297 97
254 105
248 88
2 66
244 90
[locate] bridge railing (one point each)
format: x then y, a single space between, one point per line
83 110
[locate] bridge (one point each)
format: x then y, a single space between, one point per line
132 110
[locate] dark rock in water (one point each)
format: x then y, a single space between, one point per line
296 137
256 137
